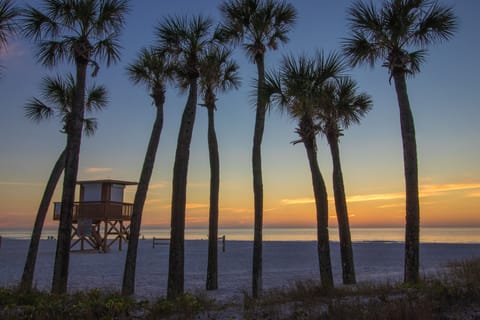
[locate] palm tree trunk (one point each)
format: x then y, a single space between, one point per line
128 284
74 137
346 251
175 285
412 227
212 265
29 269
257 180
321 205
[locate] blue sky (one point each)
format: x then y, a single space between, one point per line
443 98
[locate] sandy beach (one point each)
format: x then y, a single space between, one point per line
284 263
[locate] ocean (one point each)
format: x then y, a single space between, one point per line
427 234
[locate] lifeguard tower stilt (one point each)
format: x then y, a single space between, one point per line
100 214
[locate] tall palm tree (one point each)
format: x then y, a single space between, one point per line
8 13
153 70
398 34
341 107
259 25
298 88
58 95
185 39
218 72
80 32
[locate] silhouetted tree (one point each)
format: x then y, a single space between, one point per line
79 32
58 95
341 107
218 73
185 39
298 88
259 25
398 33
153 70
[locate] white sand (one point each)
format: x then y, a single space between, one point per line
284 263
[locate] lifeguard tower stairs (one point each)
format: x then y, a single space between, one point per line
100 217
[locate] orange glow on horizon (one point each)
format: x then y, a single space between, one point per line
441 205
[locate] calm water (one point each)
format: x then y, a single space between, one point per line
433 235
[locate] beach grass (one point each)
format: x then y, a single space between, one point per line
450 294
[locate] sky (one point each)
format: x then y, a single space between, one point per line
443 98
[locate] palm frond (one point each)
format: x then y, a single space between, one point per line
50 52
37 25
97 98
90 125
108 49
438 24
8 24
331 65
59 92
111 16
37 111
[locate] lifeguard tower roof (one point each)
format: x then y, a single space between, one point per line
108 181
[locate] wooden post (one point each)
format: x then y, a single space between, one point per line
223 243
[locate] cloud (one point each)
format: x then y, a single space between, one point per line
98 170
376 197
158 185
297 201
475 194
235 210
194 205
426 190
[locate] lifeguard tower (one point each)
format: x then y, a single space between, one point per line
100 217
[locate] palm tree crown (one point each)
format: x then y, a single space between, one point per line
58 95
342 106
300 83
71 30
260 24
392 33
185 39
218 73
152 69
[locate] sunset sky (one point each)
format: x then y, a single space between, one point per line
443 98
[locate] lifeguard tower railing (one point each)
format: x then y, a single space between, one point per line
97 211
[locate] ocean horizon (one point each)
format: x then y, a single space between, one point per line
359 234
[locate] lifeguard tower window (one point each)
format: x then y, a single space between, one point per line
92 192
116 193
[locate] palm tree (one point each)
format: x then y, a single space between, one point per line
75 31
185 39
7 24
153 70
342 107
259 25
218 72
59 95
298 88
398 34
